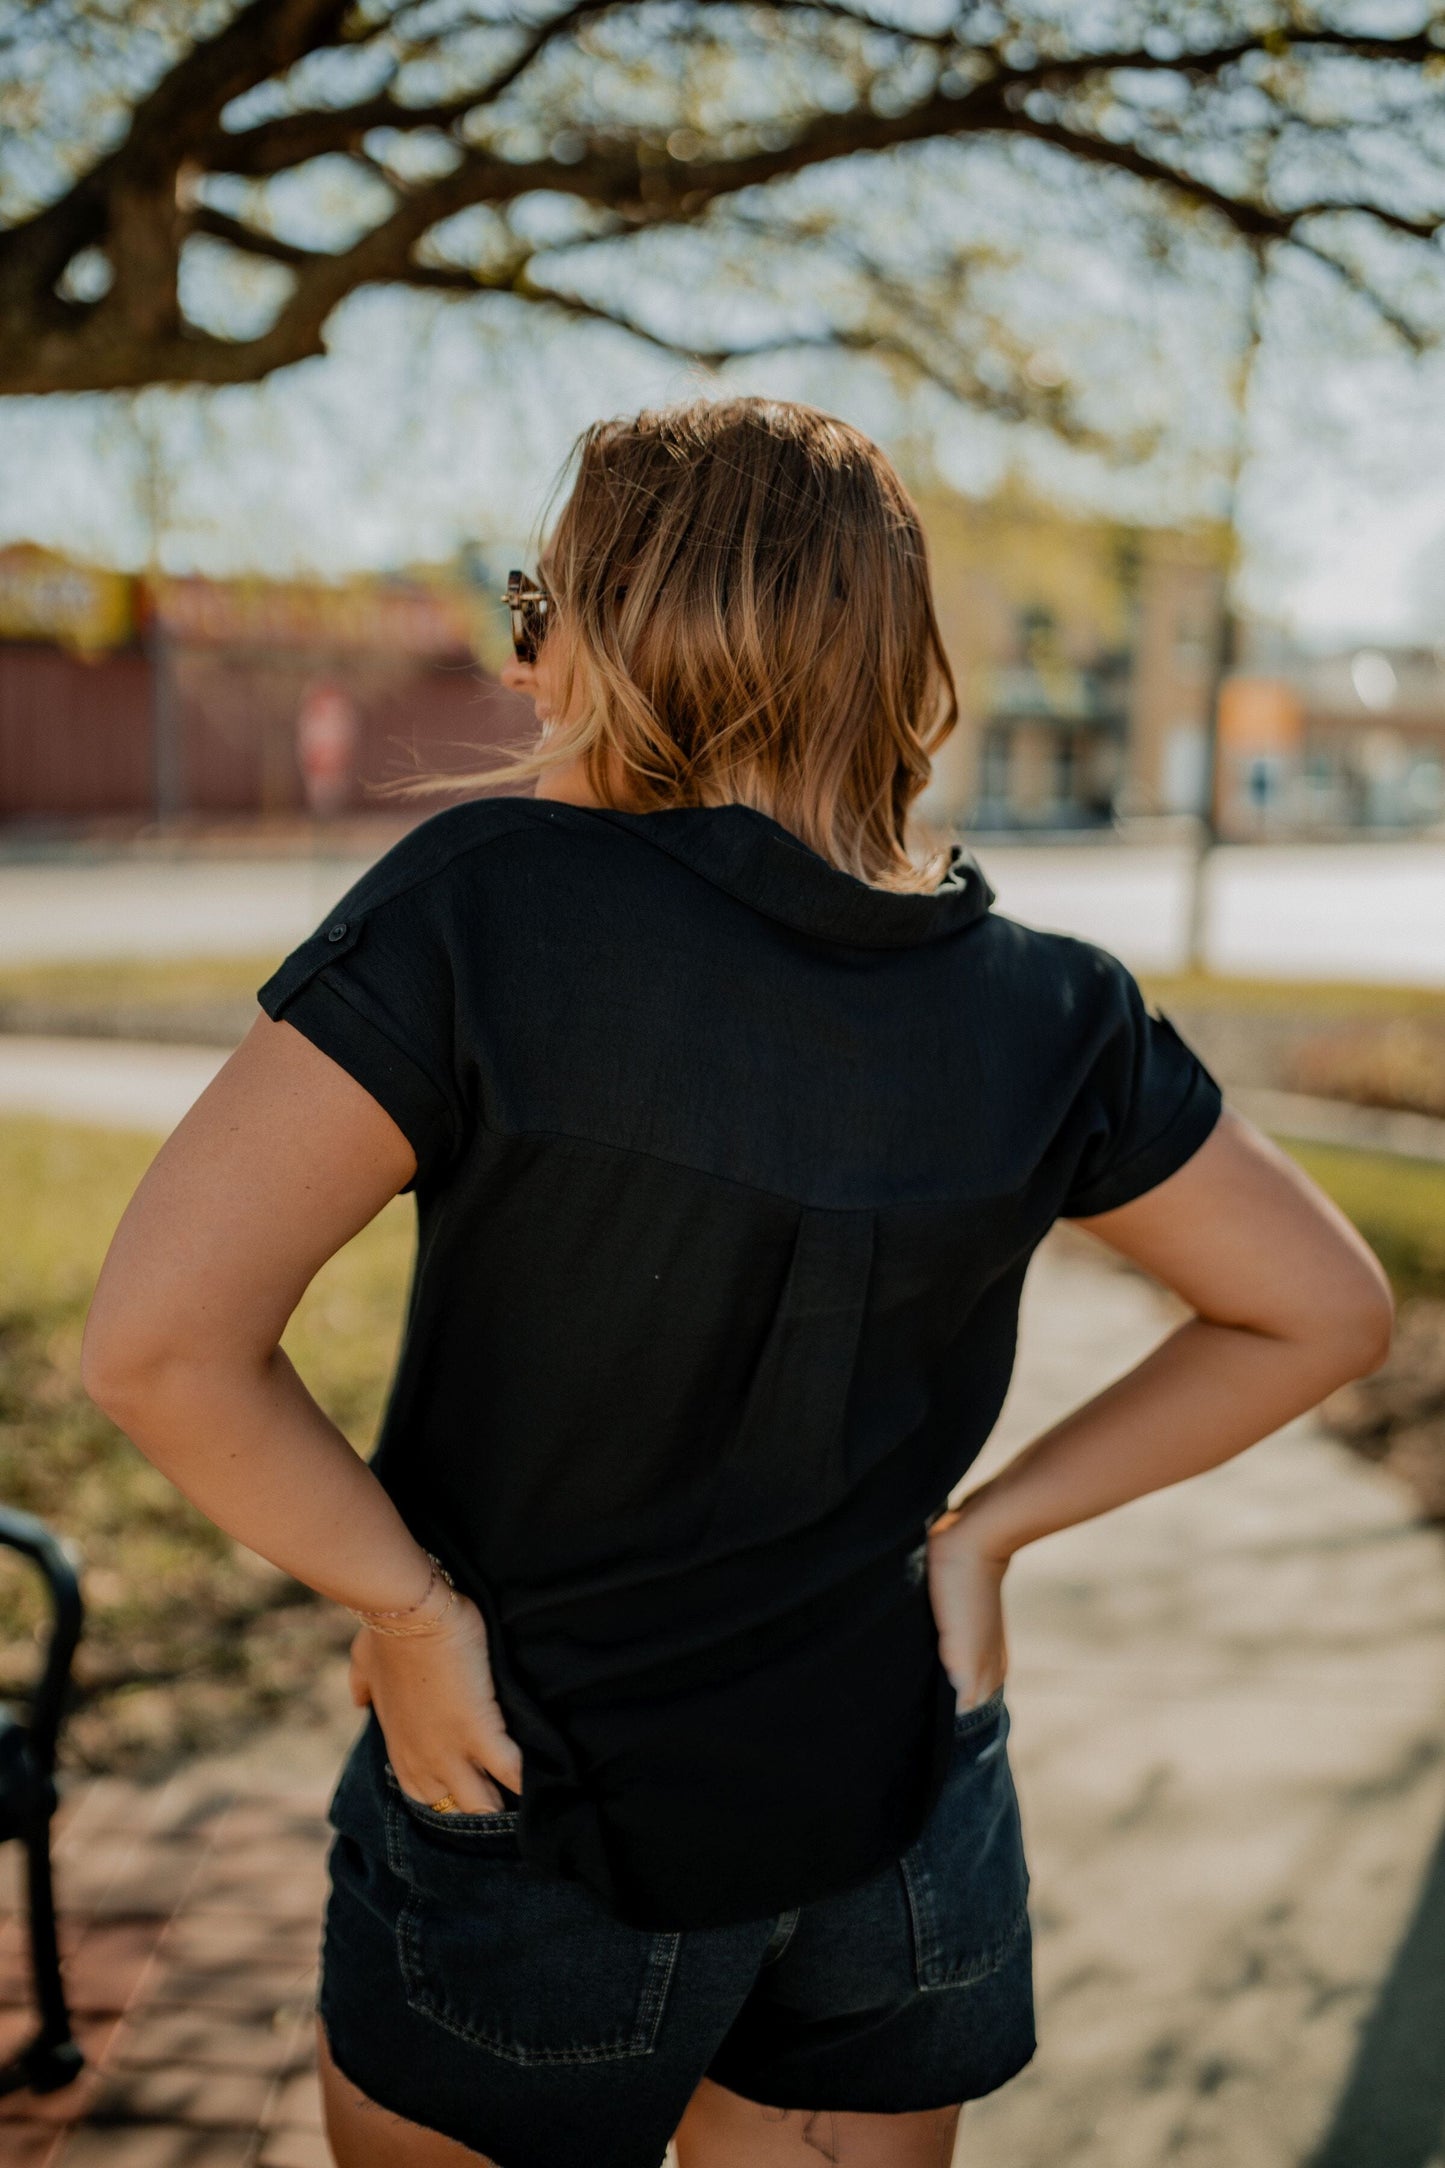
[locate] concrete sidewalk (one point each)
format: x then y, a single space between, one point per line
1227 1731
1229 1740
115 1083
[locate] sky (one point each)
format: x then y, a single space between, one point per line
431 424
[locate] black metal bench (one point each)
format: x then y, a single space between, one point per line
28 1800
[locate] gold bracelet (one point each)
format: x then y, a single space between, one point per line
403 1610
425 1626
373 1619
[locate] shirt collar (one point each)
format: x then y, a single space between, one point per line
756 859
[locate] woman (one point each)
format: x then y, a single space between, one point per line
682 1801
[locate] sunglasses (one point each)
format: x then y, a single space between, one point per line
530 605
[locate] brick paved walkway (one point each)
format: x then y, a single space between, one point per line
190 1924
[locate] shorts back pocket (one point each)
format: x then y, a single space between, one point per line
525 1964
966 1877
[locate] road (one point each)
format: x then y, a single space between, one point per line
109 1081
1372 911
1367 911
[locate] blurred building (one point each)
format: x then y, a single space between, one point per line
1320 743
1084 651
140 699
1084 655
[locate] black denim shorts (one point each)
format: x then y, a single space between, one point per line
505 2007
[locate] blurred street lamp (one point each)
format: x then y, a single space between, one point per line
1226 646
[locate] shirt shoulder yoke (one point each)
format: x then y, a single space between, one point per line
437 845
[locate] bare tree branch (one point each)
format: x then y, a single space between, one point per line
252 239
1349 277
139 202
167 127
274 146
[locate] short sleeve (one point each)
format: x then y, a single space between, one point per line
372 988
1150 1101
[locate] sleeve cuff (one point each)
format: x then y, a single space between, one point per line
1162 1156
324 1015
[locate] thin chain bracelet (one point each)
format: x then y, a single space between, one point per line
422 1626
404 1610
425 1626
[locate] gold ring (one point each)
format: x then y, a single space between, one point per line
445 1805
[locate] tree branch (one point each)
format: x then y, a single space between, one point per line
134 202
1401 325
168 124
205 219
959 383
1419 229
276 145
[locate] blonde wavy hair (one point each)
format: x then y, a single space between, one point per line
742 613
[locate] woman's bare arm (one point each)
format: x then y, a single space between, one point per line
282 1159
1288 1303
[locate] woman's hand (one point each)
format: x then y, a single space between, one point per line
438 1710
965 1587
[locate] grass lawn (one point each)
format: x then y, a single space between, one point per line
207 999
1397 1204
190 1638
1326 999
160 979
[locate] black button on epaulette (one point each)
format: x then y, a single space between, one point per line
337 932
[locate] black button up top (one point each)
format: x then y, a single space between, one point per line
729 1168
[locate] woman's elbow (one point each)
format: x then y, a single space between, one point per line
128 1360
113 1364
139 1360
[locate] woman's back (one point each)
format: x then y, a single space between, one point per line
729 1169
733 1121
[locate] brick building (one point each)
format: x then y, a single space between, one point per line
134 700
1084 652
1323 743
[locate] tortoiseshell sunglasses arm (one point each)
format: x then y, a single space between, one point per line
529 604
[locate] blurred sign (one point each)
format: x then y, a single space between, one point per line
1260 715
326 735
46 597
363 616
1261 734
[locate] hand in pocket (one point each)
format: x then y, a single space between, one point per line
438 1710
965 1588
